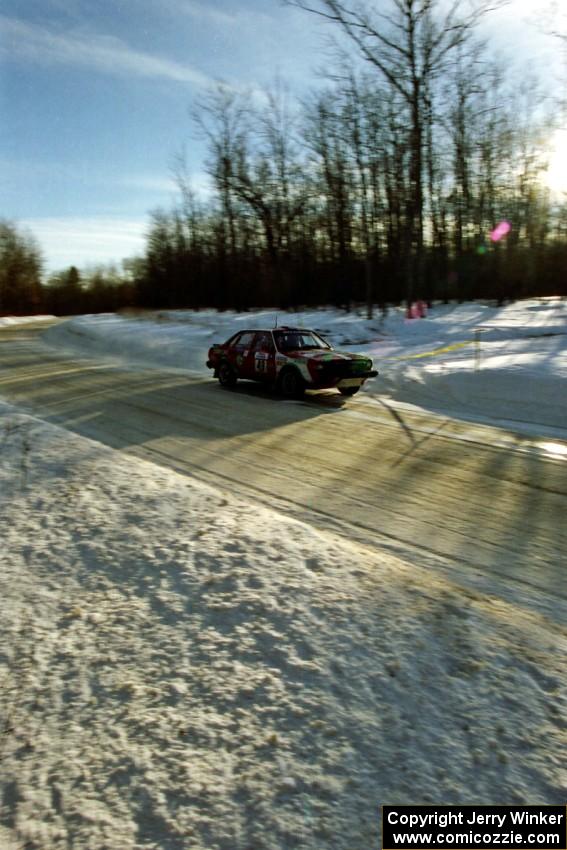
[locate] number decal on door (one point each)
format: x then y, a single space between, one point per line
261 361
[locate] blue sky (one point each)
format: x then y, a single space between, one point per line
95 100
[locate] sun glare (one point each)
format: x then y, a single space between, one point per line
556 175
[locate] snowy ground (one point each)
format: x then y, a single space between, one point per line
185 671
503 365
182 670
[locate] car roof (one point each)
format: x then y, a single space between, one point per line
271 330
288 328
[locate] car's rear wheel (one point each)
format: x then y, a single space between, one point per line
348 390
227 375
291 384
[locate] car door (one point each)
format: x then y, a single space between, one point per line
240 354
263 362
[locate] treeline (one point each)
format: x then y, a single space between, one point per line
372 190
99 290
417 171
24 289
314 205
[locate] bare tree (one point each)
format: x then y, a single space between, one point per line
364 122
268 177
222 118
409 43
255 167
326 137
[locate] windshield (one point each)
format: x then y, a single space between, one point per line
298 340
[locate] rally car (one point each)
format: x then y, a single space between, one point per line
292 359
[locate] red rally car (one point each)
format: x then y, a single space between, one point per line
293 359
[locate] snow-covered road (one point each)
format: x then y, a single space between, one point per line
482 506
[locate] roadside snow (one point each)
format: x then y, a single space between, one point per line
181 669
9 321
502 365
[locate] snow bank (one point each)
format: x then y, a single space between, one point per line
8 321
507 364
184 670
475 361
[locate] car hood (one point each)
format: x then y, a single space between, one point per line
324 356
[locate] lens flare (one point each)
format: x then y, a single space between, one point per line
500 231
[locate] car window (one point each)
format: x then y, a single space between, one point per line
298 340
244 340
288 342
263 342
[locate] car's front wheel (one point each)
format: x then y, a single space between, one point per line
348 390
227 375
291 384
